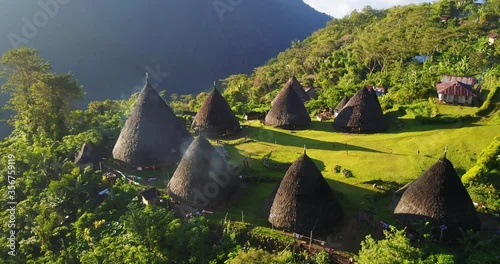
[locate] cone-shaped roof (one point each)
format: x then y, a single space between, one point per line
87 154
288 111
438 196
304 201
362 114
215 116
203 178
297 87
342 103
152 134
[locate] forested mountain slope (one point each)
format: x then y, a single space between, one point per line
378 47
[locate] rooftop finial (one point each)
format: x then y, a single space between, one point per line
305 149
445 150
147 77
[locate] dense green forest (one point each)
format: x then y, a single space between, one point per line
57 218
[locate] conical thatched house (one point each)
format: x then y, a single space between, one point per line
297 87
87 156
203 178
438 196
152 135
304 201
341 105
215 117
362 114
288 111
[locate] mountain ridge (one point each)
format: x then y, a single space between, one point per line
109 47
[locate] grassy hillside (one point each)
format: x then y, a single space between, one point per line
369 157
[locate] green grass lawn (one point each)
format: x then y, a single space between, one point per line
369 157
456 110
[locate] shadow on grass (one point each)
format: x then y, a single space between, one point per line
420 124
257 167
382 185
263 134
350 196
324 126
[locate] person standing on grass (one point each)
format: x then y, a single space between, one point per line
246 163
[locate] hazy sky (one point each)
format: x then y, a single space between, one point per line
340 8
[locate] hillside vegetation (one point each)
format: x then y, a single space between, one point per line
378 47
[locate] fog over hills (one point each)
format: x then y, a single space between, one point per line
184 44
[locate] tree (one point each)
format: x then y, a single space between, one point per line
54 97
394 248
23 67
41 100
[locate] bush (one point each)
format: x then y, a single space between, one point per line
395 248
487 196
486 166
492 84
322 258
474 174
251 256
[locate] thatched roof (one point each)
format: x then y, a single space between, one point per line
342 103
288 111
297 87
87 154
203 178
438 196
304 201
215 116
362 114
152 134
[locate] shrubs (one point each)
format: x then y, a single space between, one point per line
483 180
487 163
492 84
487 197
257 235
397 248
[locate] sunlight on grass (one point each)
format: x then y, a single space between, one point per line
387 157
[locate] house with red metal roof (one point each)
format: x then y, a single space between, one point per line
458 90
